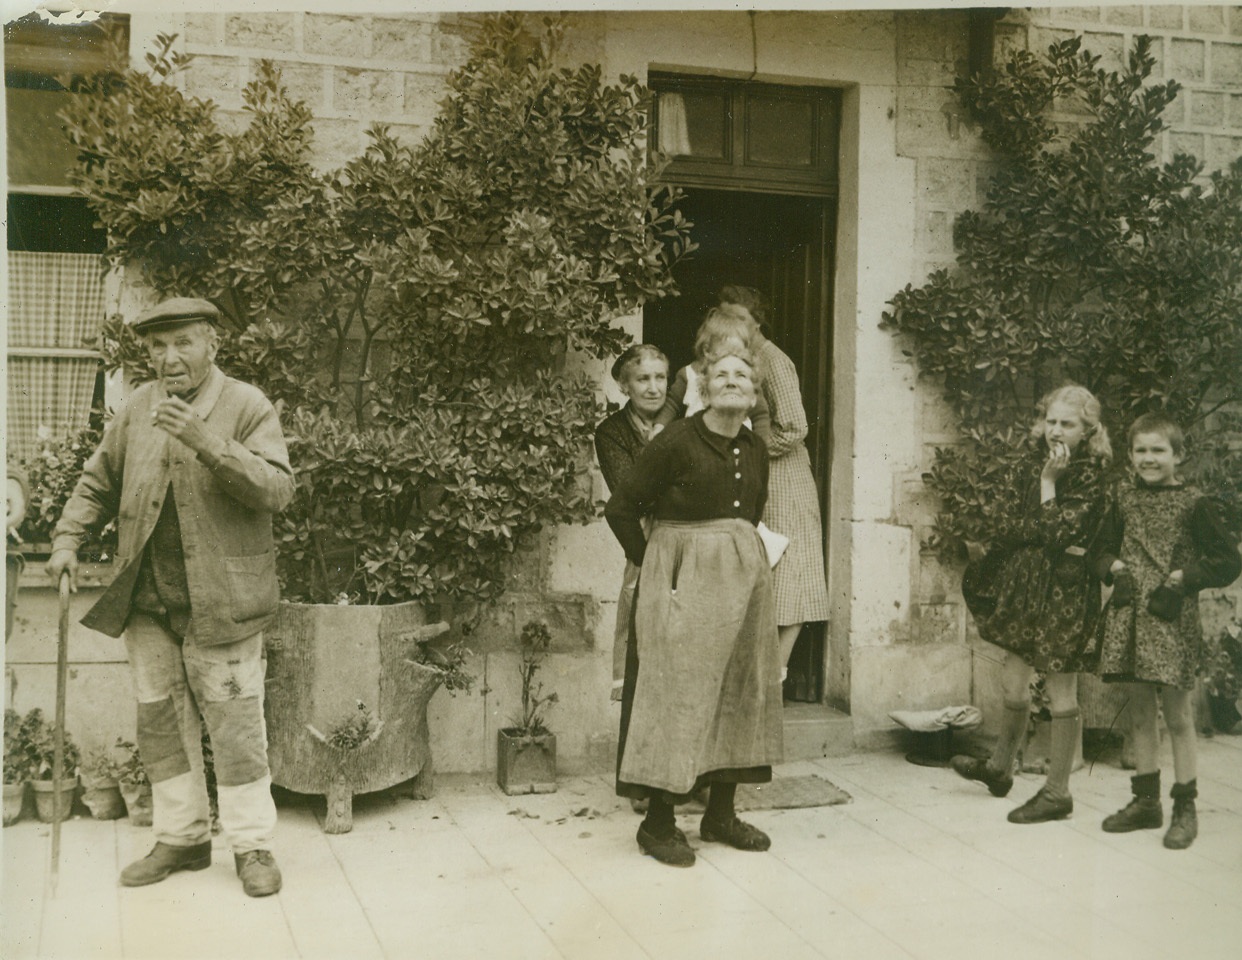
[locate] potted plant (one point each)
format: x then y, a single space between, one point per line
419 315
101 791
16 767
526 751
38 741
135 787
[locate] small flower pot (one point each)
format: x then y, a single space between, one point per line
50 804
14 796
525 764
103 798
138 803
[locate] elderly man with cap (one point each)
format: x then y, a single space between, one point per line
192 467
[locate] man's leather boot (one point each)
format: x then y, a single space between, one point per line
165 859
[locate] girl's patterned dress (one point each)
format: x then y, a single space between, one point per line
1154 531
1035 593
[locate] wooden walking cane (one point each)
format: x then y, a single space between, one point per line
58 741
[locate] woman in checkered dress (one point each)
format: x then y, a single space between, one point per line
799 583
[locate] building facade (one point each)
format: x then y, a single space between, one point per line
842 149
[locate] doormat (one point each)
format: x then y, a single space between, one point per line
785 793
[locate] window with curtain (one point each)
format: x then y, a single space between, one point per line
56 294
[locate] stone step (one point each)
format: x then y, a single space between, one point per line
814 730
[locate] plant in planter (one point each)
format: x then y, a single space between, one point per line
16 767
101 791
418 315
37 741
134 784
526 751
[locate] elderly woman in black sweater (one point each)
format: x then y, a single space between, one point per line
702 697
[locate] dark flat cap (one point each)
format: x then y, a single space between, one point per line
178 310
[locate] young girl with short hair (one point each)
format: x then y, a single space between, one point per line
1035 595
1161 543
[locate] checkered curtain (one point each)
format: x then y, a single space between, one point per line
56 301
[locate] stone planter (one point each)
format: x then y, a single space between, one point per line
525 764
323 660
14 797
137 803
103 798
50 804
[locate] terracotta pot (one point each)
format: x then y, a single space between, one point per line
50 804
525 764
103 798
138 803
14 795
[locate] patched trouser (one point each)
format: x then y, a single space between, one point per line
174 680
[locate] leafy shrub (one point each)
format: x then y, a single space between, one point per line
30 749
416 314
130 771
51 471
1090 262
16 763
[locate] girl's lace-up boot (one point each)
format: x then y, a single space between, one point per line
1184 824
1143 812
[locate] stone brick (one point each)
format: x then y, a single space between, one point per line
566 619
1222 151
931 35
1044 37
336 141
1078 14
423 93
1008 40
945 183
1227 64
408 133
1187 59
1235 111
1235 21
926 73
215 78
936 234
304 81
339 36
1207 19
1109 47
202 28
265 30
1170 17
448 49
1124 16
406 40
1191 143
937 623
363 93
1207 109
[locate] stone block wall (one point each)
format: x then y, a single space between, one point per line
352 70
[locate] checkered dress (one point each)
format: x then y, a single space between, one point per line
799 582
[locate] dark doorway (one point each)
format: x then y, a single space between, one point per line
780 244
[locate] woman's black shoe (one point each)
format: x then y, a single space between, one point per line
736 833
673 850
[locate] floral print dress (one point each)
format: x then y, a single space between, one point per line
1035 594
1154 531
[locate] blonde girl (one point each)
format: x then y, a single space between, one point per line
1035 595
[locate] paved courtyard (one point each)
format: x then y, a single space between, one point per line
920 864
